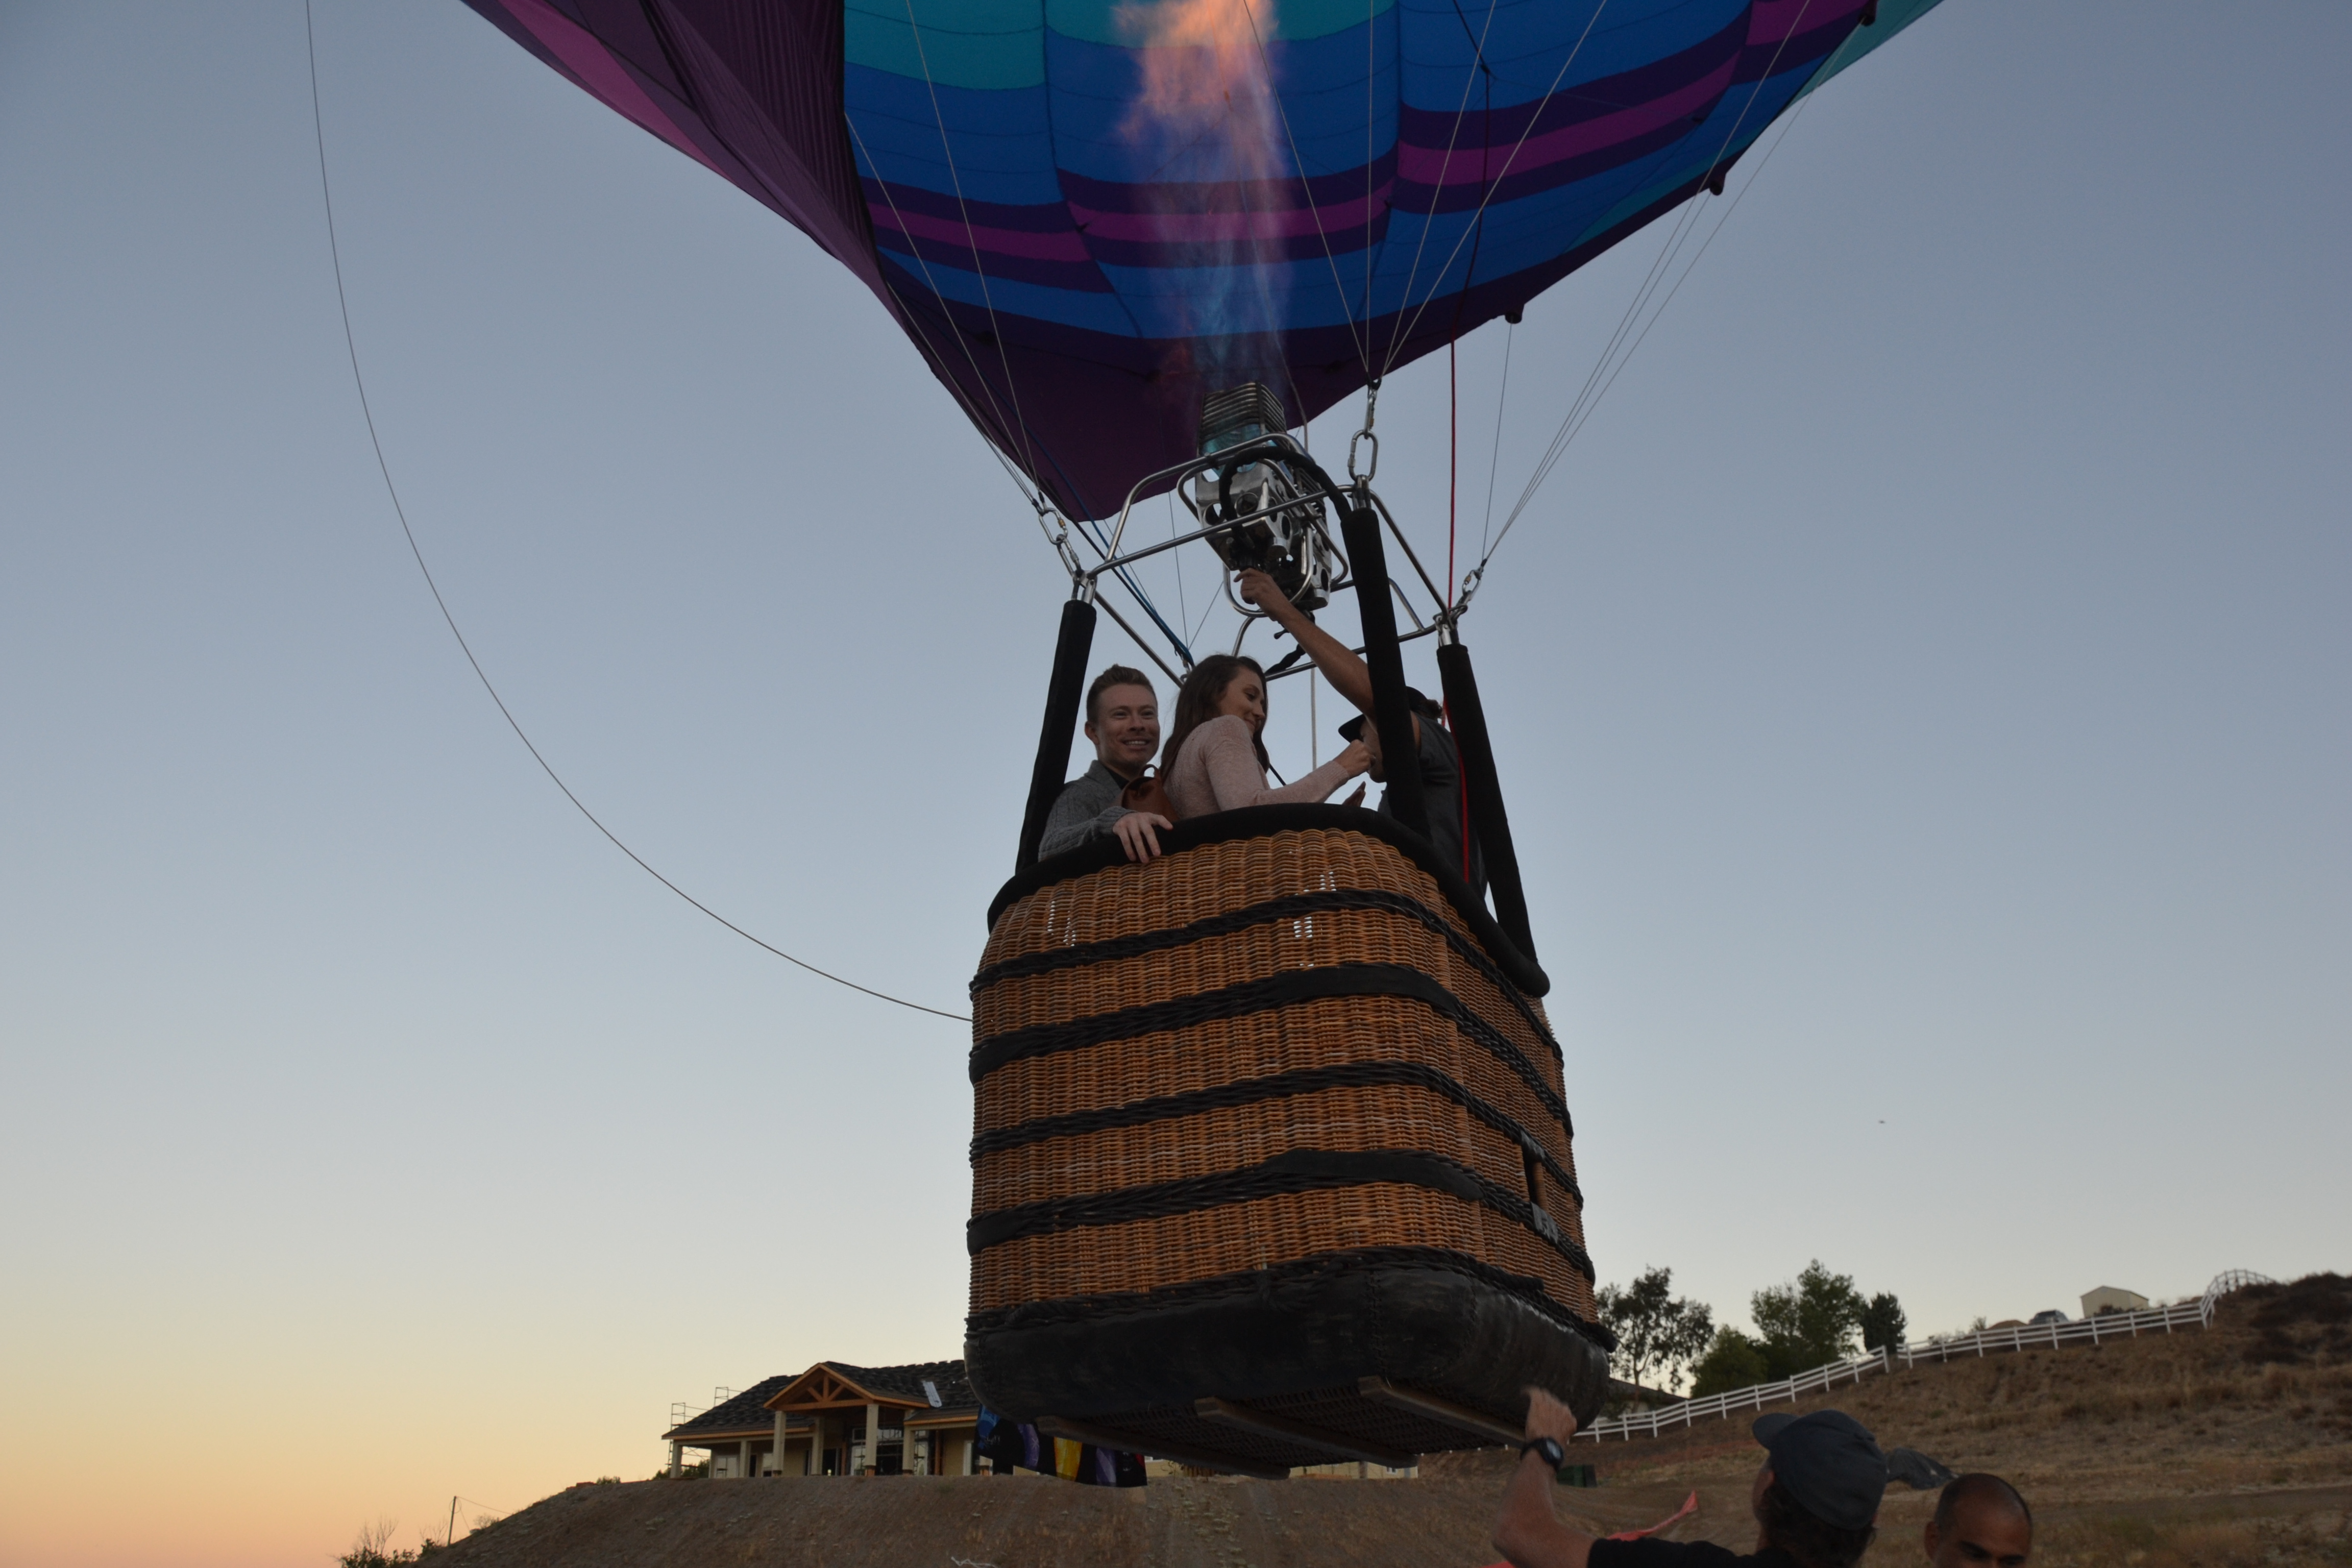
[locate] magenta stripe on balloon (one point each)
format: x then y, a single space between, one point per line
1201 227
1434 166
1066 246
603 75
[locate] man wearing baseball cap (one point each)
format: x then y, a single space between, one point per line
1815 1499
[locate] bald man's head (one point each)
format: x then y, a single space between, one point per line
1981 1522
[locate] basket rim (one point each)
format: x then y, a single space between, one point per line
1266 822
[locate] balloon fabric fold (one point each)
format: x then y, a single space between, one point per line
1087 214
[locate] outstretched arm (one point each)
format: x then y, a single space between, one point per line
1342 668
1527 1532
1236 780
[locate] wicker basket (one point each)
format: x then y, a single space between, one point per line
1270 1140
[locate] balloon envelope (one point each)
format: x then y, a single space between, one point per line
1088 214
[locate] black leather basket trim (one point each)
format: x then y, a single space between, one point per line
1258 1283
1282 990
1275 1086
1301 1170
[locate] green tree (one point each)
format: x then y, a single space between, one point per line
1882 1322
1810 1320
1658 1334
1733 1360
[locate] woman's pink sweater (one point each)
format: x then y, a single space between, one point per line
1217 771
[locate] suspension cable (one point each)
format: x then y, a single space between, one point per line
1604 373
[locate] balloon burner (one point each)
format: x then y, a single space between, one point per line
1279 529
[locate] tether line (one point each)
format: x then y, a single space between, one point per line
350 346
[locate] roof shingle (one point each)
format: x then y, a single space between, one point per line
747 1411
744 1411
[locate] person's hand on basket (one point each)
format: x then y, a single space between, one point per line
1548 1417
1526 1531
1137 834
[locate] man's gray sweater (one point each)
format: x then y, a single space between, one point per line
1087 805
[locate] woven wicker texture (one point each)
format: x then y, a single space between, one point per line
1213 879
1305 1035
1064 1113
1314 942
1151 1254
1378 1118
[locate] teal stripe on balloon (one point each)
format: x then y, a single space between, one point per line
1894 16
964 43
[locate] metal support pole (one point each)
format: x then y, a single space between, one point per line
1392 715
1485 791
1062 697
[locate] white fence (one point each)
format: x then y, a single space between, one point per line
1649 1423
2081 1331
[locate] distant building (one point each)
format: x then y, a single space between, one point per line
823 1421
2109 1299
835 1419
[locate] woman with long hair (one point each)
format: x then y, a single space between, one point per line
1215 757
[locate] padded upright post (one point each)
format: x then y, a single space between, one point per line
1061 695
1484 793
1368 561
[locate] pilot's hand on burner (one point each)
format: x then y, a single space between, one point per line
1257 588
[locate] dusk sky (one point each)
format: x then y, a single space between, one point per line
1924 694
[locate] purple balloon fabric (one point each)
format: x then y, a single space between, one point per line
1087 214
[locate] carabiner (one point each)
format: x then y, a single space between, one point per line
1371 405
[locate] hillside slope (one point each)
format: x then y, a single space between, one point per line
2228 1446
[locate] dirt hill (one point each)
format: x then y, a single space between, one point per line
2231 1445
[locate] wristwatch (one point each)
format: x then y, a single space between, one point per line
1553 1454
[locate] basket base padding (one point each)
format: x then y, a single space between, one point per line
1430 1329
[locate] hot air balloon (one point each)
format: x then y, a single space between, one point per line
1273 1156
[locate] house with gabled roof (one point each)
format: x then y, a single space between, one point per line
835 1419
